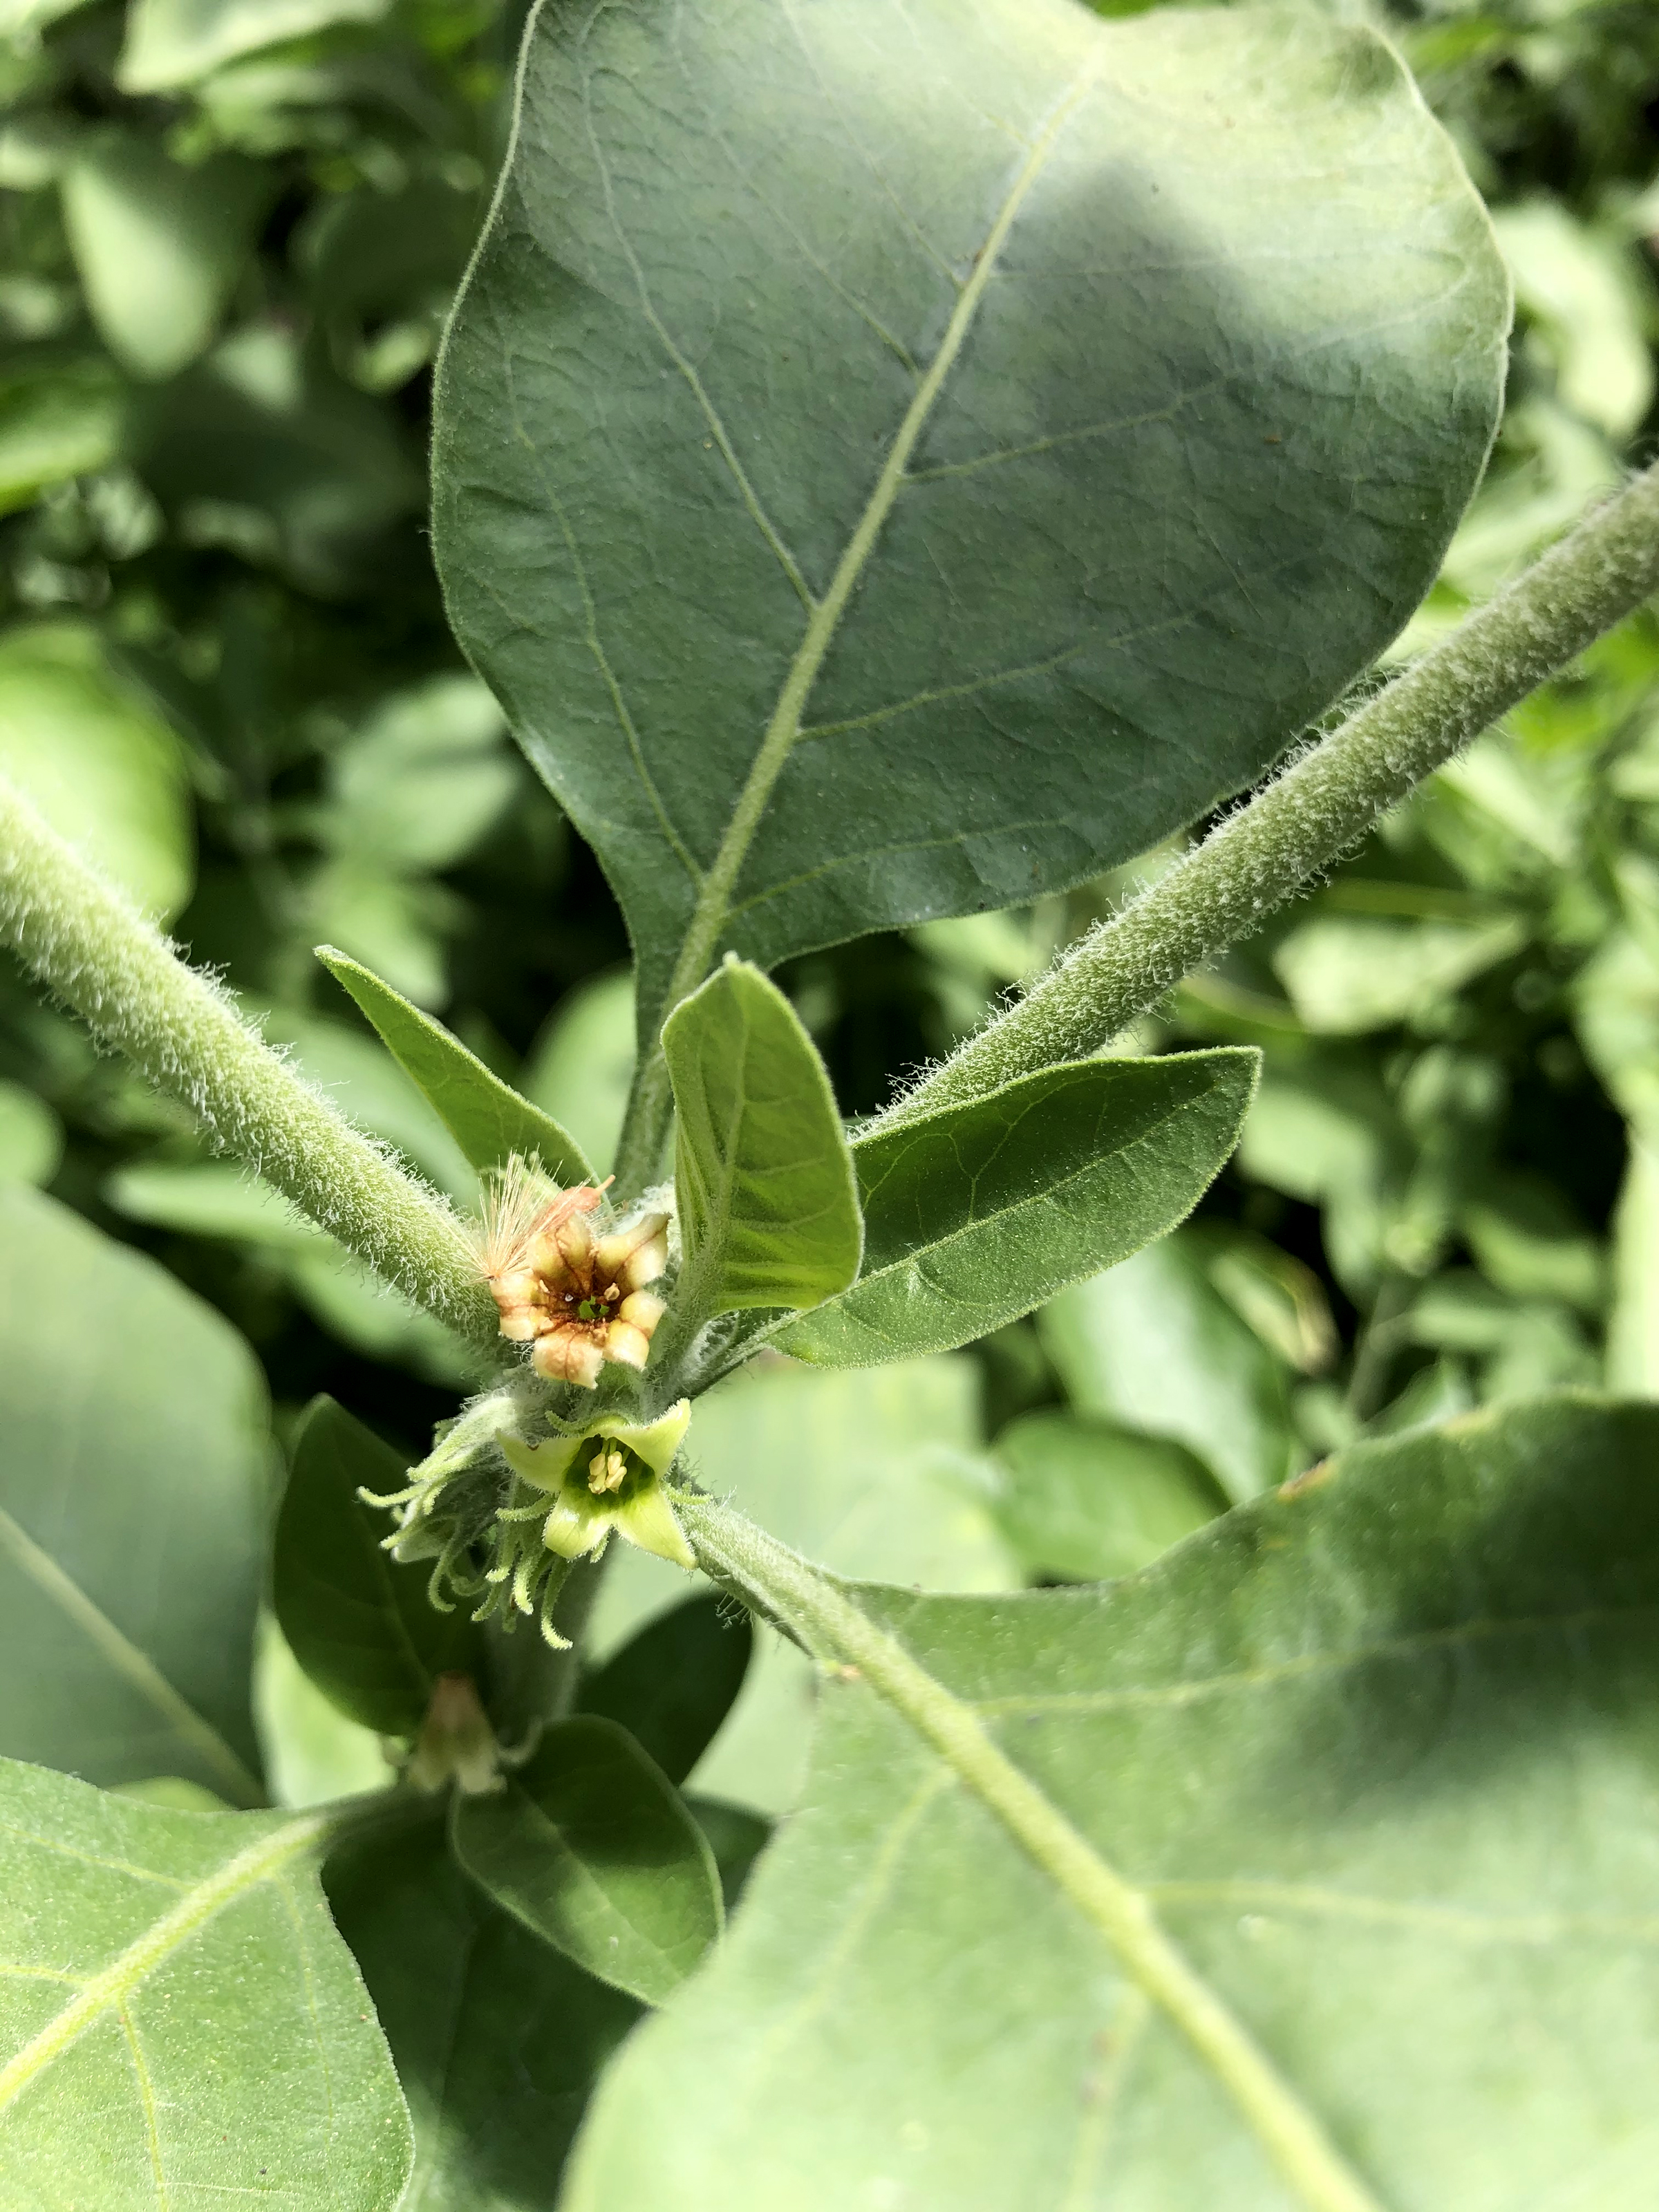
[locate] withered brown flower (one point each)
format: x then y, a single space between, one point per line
578 1299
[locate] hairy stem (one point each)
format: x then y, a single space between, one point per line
785 1587
1313 813
95 952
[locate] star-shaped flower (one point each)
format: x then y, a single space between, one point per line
609 1477
577 1300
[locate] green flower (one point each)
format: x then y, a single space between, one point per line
609 1477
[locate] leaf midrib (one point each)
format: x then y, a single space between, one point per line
831 1626
714 897
113 1984
135 1666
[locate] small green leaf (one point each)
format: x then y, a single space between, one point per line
673 1684
1086 1501
975 1215
134 1440
31 1137
1375 1756
179 2023
56 421
497 2038
487 1119
176 42
762 1177
357 1622
591 1846
1349 973
1152 1345
159 245
92 753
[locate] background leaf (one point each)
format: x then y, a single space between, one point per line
875 1472
974 1216
776 642
582 1064
590 1845
98 761
172 42
671 1684
179 2019
497 2038
357 1622
159 245
1153 1344
768 1209
133 1456
1375 1751
1085 1501
487 1118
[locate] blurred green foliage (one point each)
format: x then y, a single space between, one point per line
229 230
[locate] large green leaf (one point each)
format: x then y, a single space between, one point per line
1374 1753
763 1178
974 1216
672 1684
357 1622
1152 1345
133 1455
592 1847
497 2038
893 461
180 2024
487 1118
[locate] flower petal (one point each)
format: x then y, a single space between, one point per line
542 1466
573 1533
629 1346
648 1521
656 1443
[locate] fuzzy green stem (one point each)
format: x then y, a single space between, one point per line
785 1587
1319 807
93 950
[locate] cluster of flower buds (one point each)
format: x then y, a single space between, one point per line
576 1297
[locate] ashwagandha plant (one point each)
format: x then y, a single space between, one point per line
895 459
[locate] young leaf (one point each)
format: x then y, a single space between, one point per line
671 1684
132 1512
497 2038
487 1119
1372 1754
592 1846
975 1215
1165 355
1154 1345
178 2021
357 1622
767 1205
